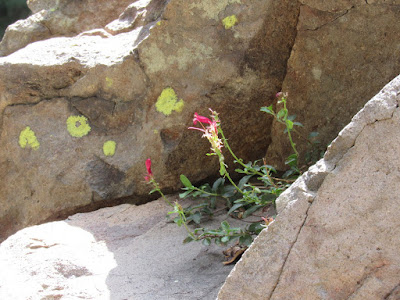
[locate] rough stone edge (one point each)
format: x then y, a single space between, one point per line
294 203
380 107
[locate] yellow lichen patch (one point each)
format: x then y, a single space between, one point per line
168 102
78 126
28 138
109 148
109 81
159 23
230 21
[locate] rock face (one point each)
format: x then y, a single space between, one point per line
338 233
337 62
123 252
80 115
59 18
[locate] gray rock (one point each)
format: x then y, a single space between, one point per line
123 252
336 237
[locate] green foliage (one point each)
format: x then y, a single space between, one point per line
258 189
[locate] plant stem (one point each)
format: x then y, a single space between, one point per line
231 181
226 144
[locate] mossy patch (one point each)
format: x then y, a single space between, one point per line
78 126
109 148
168 102
27 138
230 21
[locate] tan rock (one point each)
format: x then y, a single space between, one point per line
117 82
337 234
338 62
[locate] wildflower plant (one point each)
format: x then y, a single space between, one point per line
257 189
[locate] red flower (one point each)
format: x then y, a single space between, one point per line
148 167
201 119
211 131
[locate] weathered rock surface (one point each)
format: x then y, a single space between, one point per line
53 18
123 252
344 52
136 82
338 232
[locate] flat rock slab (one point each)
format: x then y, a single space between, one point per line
123 252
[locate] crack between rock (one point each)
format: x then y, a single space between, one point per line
391 292
364 278
290 249
336 159
136 57
323 25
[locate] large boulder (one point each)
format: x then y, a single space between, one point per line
60 18
344 52
338 232
122 252
80 115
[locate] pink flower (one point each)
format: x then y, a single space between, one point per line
201 119
149 175
281 95
211 131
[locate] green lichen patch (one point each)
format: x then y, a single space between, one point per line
109 148
27 138
78 126
230 21
168 102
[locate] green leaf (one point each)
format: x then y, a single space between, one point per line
225 225
268 110
289 124
206 242
228 191
245 240
251 210
225 239
185 194
291 118
219 182
271 168
196 217
268 197
281 113
243 181
188 240
235 207
298 124
186 182
256 227
313 134
291 160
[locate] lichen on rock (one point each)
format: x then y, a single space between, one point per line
230 21
78 126
168 102
109 148
28 138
